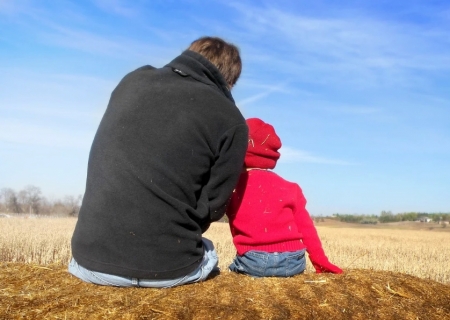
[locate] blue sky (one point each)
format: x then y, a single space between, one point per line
358 91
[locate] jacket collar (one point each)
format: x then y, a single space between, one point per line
193 64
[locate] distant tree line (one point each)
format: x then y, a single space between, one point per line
355 218
388 216
30 200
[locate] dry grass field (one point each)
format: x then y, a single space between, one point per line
391 271
409 248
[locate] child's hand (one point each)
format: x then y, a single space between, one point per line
325 266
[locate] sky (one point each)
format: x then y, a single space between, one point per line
358 91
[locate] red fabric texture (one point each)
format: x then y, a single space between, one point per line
263 145
268 213
324 266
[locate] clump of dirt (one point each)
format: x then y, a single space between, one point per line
50 292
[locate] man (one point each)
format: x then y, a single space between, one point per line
163 164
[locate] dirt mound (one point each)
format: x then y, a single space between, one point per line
49 292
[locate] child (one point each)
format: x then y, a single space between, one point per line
268 220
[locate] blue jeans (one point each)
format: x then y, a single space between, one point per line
208 265
269 264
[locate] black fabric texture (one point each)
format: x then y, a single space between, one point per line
162 166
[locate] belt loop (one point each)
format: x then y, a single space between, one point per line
135 282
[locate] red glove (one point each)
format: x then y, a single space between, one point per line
324 266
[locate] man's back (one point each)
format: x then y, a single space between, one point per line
156 171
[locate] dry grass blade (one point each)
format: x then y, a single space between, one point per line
324 303
41 267
353 261
315 281
377 289
397 293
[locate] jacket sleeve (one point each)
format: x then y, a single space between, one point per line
224 173
310 237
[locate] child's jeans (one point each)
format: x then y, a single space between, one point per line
269 264
208 265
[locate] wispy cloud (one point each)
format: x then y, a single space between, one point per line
268 89
32 134
74 29
356 110
10 7
354 48
113 46
289 155
122 8
55 91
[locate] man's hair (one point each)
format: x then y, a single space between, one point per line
225 56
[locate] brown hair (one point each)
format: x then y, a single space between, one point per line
225 56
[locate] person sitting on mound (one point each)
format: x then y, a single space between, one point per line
270 225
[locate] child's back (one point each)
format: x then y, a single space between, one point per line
268 220
266 213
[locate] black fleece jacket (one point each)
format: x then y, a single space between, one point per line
162 166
